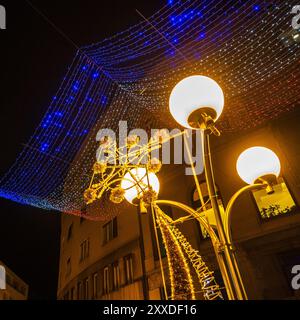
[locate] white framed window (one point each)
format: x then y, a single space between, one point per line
79 290
2 278
95 285
128 268
110 230
116 276
106 280
278 203
86 288
84 249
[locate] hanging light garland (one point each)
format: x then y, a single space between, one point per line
243 45
182 287
210 288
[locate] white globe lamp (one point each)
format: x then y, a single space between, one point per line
258 163
194 96
135 183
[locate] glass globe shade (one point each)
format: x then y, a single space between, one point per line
194 93
134 187
257 162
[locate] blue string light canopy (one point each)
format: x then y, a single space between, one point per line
246 46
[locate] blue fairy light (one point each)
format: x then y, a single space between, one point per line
256 7
105 79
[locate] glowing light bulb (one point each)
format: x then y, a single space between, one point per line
257 162
135 183
194 95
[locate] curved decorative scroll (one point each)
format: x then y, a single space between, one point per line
113 162
182 287
211 290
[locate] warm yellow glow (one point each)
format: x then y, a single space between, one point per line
256 162
193 93
135 183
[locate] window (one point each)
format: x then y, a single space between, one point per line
79 290
68 268
110 231
202 205
86 288
95 285
70 232
84 249
116 275
106 282
128 267
279 203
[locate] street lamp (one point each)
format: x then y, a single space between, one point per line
197 102
136 182
140 187
257 164
259 167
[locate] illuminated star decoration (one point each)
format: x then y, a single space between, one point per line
113 165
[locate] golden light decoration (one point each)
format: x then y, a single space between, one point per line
99 167
139 183
161 136
121 179
106 142
117 195
126 173
132 140
182 287
154 165
89 195
210 289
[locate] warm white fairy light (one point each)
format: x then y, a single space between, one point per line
130 76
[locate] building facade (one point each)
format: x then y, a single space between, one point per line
110 260
12 287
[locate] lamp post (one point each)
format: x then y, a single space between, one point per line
136 183
197 102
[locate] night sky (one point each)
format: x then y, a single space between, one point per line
33 60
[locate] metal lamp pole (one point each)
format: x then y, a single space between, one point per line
142 252
226 258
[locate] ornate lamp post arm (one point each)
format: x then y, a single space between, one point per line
228 211
195 214
214 238
227 227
